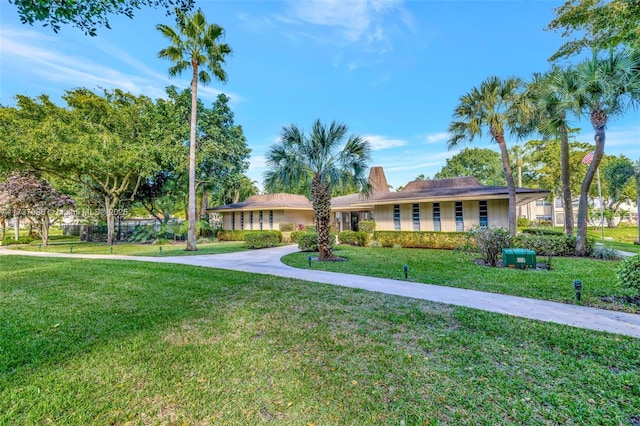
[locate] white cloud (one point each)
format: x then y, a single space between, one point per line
378 142
437 137
370 24
50 65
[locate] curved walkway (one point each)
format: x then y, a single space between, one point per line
267 261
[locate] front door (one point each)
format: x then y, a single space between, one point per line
354 221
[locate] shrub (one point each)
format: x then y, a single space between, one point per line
490 242
629 273
523 222
308 241
368 226
295 234
23 239
354 238
235 235
143 234
262 239
421 239
605 253
551 244
542 231
310 228
285 227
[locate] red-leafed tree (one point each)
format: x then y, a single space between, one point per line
26 196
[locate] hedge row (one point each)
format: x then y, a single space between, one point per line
551 244
262 239
368 226
308 241
235 235
421 239
354 238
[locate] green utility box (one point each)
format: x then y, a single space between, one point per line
518 258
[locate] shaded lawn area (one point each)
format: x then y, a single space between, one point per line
130 249
458 269
114 342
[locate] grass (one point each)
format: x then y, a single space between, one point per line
130 249
458 269
107 342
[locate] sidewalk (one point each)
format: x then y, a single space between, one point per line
267 261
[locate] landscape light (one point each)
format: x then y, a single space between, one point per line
406 271
577 286
309 258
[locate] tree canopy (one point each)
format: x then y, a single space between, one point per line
601 24
482 163
87 15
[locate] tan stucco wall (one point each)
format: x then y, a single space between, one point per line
297 217
497 211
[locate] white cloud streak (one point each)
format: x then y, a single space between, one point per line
379 143
49 64
437 137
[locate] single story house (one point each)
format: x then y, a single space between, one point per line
266 212
453 204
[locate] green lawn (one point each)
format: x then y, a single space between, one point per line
458 269
130 249
114 342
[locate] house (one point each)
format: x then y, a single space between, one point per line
266 212
453 204
345 216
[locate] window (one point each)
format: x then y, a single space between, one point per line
459 217
416 217
260 219
484 213
542 203
270 219
242 220
233 221
436 217
559 203
250 220
396 217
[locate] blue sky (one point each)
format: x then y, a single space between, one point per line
392 70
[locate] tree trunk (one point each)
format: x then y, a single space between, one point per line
566 182
109 206
44 225
191 213
583 207
638 202
3 223
508 174
519 166
321 201
16 226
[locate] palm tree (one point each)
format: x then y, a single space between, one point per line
636 174
194 45
493 106
607 87
324 159
553 96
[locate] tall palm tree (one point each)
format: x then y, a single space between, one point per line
492 106
553 98
636 175
194 45
607 87
323 159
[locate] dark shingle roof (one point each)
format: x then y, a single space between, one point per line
451 189
270 201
